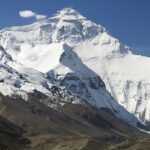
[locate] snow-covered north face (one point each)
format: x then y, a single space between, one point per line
74 53
69 81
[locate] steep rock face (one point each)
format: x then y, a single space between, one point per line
95 53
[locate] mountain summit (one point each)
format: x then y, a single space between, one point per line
83 60
66 12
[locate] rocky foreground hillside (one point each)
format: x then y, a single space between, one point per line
34 125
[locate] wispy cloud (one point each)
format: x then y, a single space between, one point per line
30 13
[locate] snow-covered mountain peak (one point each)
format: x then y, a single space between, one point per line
66 26
72 28
77 53
68 13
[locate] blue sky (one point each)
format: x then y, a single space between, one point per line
128 20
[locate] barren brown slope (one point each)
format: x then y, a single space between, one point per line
68 127
11 136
